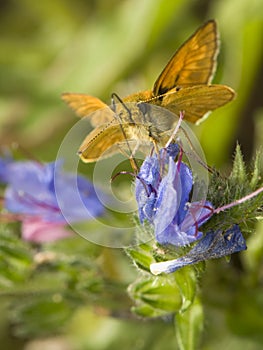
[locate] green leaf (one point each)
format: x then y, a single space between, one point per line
189 326
240 185
238 173
256 177
15 258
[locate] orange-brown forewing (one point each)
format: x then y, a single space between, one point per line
101 142
193 63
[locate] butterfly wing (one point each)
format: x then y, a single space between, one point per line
89 106
193 63
102 142
197 100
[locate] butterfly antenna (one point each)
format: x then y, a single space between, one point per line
114 95
134 165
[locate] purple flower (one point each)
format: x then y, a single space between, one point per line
212 246
164 200
32 193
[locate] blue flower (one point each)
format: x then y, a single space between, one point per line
164 200
32 193
4 162
212 246
149 179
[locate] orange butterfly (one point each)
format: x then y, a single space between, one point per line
183 85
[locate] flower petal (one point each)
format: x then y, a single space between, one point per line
146 186
212 246
197 214
78 200
36 230
33 189
183 184
171 208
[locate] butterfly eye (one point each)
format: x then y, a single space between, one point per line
142 107
178 88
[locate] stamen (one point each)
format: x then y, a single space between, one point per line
239 201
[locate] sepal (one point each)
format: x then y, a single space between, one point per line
156 296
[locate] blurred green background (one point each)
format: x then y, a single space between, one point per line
104 46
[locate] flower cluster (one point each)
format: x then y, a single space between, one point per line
31 194
164 201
